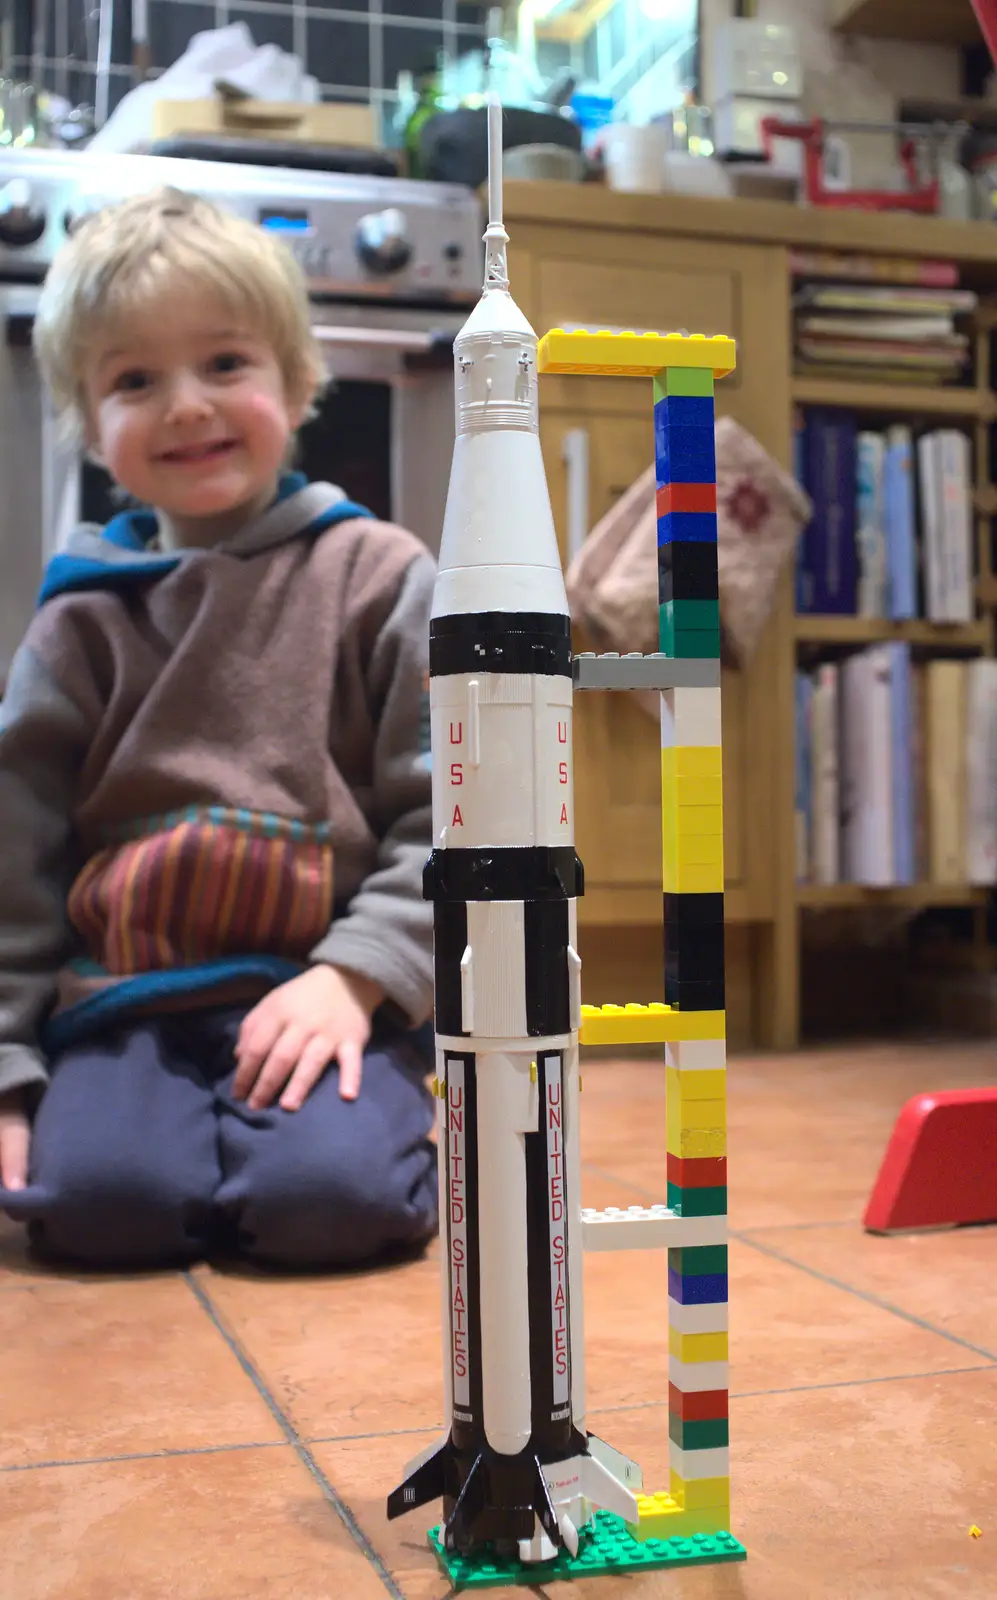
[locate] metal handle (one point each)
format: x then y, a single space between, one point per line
575 455
382 338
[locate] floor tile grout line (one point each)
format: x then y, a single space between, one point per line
144 1455
436 1427
641 1405
863 1294
745 1237
302 1451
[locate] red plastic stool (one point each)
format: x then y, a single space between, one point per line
940 1167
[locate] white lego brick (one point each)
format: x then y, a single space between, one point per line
697 1055
698 1377
636 671
709 1318
502 754
648 1228
690 717
493 972
691 1464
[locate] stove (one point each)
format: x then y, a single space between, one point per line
355 237
393 267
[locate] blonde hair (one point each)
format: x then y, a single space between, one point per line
126 257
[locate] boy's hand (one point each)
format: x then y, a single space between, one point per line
15 1140
288 1040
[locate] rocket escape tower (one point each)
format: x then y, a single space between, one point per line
529 1494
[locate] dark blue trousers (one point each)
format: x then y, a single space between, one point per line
140 1156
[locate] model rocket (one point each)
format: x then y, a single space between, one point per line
517 1470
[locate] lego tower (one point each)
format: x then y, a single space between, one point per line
693 1223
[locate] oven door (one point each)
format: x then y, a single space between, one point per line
383 429
38 472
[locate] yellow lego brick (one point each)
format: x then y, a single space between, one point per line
690 849
694 1144
709 1083
685 877
694 1347
653 1024
700 1494
630 1024
704 821
633 355
696 791
689 1116
660 1516
689 761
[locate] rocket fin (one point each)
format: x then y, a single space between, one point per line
603 1489
622 1468
425 1455
425 1480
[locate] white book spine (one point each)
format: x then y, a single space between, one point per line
981 772
870 526
955 500
826 865
877 778
931 528
852 737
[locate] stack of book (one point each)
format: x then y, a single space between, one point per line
896 770
892 530
900 332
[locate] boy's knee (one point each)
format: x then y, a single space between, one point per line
91 1204
330 1213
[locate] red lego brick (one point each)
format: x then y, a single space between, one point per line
709 1405
939 1166
699 1172
686 497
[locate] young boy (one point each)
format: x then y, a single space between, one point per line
214 796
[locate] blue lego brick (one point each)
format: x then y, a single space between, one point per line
684 455
684 411
606 1546
687 526
708 1290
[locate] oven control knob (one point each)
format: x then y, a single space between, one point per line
382 244
21 221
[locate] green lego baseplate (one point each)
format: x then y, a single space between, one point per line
607 1546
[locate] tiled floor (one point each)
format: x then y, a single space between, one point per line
211 1436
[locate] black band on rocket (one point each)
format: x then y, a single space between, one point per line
530 872
538 642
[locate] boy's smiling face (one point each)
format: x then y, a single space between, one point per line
187 409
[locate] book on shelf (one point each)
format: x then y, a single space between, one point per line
897 783
891 534
872 269
896 329
882 328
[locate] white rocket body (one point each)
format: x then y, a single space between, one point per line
517 1468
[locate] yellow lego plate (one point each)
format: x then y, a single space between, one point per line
633 355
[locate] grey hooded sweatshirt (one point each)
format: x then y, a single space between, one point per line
214 770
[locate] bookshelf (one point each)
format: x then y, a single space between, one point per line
896 400
971 408
911 896
949 636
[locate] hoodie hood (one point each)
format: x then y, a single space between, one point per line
123 553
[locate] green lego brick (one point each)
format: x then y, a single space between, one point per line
699 1435
710 1202
683 380
677 638
606 1546
698 1261
694 614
